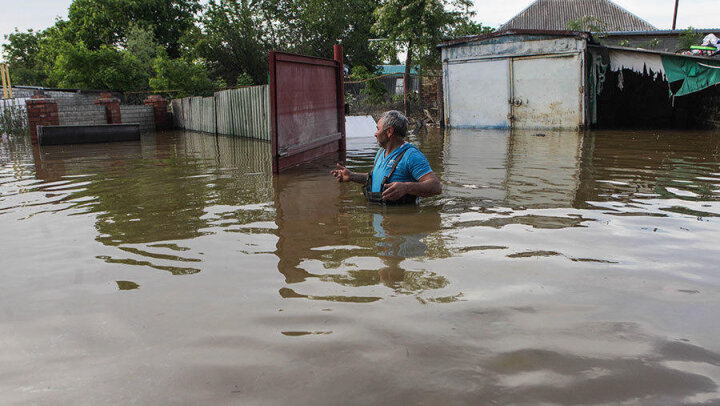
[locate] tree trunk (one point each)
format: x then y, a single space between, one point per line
406 76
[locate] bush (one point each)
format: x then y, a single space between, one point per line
690 37
186 78
374 90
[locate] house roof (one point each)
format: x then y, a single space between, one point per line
555 14
512 32
391 69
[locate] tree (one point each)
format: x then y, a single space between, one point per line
52 42
467 27
419 25
313 27
234 40
105 68
141 44
21 52
106 22
374 90
184 77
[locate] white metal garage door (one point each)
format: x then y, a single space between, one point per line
477 94
536 92
547 92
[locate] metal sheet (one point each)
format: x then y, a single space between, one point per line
307 112
547 92
477 95
513 46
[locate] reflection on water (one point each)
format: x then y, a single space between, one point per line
557 268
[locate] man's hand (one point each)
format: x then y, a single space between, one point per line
427 185
395 190
341 173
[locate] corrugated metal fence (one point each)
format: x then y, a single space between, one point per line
244 112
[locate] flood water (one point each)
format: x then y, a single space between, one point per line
559 269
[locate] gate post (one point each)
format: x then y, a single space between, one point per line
41 110
338 56
112 107
159 105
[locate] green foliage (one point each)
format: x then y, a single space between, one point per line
168 44
98 23
105 68
374 90
690 37
234 40
467 27
244 79
188 78
141 43
52 42
651 44
21 52
387 51
313 27
419 25
588 24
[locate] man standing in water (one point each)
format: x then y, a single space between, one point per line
400 173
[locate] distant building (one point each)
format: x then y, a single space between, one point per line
555 15
393 78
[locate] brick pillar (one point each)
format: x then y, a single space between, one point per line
41 110
162 122
112 107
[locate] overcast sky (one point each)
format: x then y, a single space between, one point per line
40 14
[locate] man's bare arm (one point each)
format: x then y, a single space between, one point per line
427 185
343 174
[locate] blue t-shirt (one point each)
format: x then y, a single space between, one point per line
413 166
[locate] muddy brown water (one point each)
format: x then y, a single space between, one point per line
559 268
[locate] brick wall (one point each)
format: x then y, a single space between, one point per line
76 112
143 115
75 108
40 111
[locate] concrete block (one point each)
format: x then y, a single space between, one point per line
82 134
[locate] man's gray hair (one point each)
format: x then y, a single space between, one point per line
396 120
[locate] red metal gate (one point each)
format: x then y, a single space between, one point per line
307 107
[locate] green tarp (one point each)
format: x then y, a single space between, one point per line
695 75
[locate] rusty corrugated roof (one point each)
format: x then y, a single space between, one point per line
555 14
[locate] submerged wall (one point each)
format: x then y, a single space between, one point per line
71 108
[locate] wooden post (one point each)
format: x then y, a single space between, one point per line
4 83
405 86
